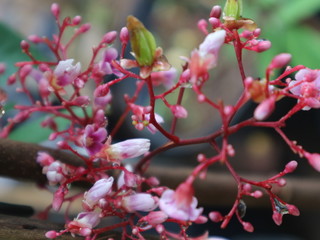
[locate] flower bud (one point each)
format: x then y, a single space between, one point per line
139 202
280 61
128 149
216 12
76 20
179 111
55 10
109 37
124 35
142 42
314 160
233 9
264 109
98 191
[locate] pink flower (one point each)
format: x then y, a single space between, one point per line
65 73
307 87
206 57
102 96
98 191
139 202
105 67
93 138
180 204
127 149
84 223
55 172
165 78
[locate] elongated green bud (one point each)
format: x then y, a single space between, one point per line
142 42
233 9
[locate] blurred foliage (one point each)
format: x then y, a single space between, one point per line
292 26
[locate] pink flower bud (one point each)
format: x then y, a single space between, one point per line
216 11
265 108
263 46
109 37
129 149
139 202
247 226
35 39
100 118
25 71
277 217
54 172
281 182
98 191
280 60
11 79
257 194
155 218
215 216
202 25
51 234
55 10
58 198
179 111
44 159
215 22
81 101
24 45
63 145
291 166
314 160
124 35
201 220
76 20
84 28
293 210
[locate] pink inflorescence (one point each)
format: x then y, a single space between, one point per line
113 165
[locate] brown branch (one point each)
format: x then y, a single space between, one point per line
17 160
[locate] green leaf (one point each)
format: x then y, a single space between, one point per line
302 43
293 11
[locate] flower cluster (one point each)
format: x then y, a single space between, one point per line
118 189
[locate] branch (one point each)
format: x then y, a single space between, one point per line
17 160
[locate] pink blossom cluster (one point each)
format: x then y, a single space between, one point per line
118 189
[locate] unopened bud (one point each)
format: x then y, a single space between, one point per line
109 37
291 166
202 25
280 60
216 11
215 216
233 9
24 45
35 38
142 42
124 35
76 20
247 226
55 10
264 109
84 28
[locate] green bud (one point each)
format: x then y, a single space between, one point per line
142 42
233 9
